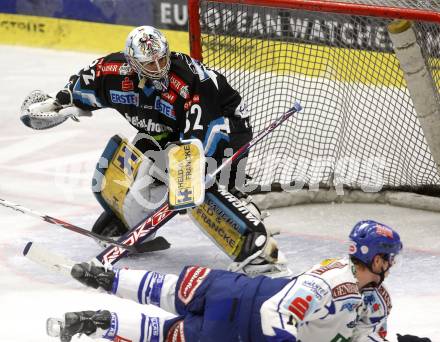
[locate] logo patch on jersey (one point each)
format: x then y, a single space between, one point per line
328 267
127 98
164 107
193 278
315 288
170 96
345 289
179 86
369 299
109 68
149 125
350 306
301 303
190 102
382 332
127 85
242 111
125 69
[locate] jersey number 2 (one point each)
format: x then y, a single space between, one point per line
194 110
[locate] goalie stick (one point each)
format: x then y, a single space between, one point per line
163 214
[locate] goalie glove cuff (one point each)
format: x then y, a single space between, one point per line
64 97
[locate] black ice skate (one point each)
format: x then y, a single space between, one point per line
82 322
93 276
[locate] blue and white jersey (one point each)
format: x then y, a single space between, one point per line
325 305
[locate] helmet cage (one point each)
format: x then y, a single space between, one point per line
144 49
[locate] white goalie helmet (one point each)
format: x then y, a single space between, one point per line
147 52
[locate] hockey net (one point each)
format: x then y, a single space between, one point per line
359 128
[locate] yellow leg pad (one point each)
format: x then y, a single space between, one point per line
123 165
212 219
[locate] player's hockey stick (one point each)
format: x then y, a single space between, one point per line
52 261
149 246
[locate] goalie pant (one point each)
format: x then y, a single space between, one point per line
322 304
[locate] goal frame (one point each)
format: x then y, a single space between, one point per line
279 199
309 5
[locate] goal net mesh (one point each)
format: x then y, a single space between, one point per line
358 126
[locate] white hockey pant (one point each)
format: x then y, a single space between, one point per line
146 324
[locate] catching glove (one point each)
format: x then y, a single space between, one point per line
41 111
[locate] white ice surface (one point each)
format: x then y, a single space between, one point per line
50 171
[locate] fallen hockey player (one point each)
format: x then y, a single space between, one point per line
337 300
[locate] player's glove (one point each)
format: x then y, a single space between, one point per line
41 111
411 338
93 276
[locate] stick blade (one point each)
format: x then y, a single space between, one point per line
157 244
51 261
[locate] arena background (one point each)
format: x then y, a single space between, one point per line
89 25
50 171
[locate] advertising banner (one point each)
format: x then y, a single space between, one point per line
168 14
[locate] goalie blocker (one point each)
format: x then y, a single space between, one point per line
234 224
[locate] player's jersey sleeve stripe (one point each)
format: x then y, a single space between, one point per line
214 134
141 287
282 300
142 338
115 282
86 97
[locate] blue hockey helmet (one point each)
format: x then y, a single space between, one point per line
370 238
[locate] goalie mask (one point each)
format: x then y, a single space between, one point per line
147 52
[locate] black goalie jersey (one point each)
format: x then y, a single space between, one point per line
194 102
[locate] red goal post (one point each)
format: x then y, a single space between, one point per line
360 130
364 8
